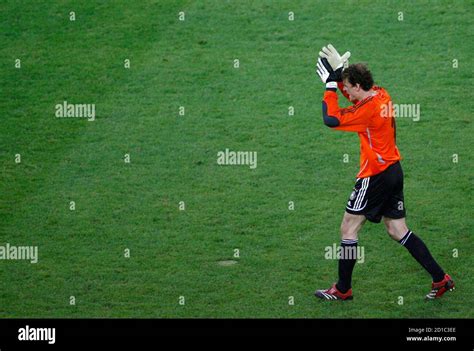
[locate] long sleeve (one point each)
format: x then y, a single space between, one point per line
351 119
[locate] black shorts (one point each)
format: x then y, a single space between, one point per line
379 195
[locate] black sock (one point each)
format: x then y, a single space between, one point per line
346 264
420 252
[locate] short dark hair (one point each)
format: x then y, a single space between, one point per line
359 74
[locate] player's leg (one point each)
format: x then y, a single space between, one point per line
350 226
341 290
394 220
364 203
398 230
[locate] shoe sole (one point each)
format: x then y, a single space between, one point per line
338 299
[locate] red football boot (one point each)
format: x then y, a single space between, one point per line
333 294
439 288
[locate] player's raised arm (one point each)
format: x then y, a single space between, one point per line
355 118
351 119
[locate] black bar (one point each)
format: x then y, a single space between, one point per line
87 333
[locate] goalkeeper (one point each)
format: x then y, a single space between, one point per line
378 191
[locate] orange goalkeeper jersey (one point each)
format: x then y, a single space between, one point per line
372 119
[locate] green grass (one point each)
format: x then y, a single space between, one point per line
173 158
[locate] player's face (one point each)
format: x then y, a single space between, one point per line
352 90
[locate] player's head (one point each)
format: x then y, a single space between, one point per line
357 81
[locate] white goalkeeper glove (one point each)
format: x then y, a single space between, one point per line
335 60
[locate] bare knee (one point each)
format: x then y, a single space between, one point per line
396 228
351 225
392 232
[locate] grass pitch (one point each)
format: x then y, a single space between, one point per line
172 209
